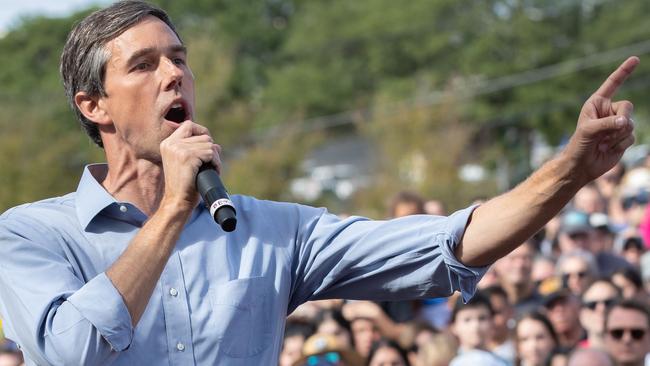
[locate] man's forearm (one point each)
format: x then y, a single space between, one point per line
506 221
138 269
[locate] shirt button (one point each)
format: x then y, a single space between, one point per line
173 292
123 208
180 346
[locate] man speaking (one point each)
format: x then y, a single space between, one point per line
131 269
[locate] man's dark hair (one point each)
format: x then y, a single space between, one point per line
387 343
479 300
301 328
495 290
334 315
606 281
84 57
540 317
629 304
631 274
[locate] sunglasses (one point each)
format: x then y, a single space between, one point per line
617 333
640 199
327 359
579 236
581 275
592 304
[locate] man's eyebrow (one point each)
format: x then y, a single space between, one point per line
145 51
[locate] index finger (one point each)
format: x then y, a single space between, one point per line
616 79
189 128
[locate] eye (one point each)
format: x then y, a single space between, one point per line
142 66
178 61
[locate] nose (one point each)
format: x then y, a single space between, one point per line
173 74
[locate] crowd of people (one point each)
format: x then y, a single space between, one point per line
574 294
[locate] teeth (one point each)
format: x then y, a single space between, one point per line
177 105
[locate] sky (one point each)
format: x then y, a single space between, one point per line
11 10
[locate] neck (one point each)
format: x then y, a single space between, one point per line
517 292
596 339
571 337
497 339
137 181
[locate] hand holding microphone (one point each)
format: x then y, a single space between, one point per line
188 145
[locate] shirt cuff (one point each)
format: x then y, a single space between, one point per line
103 306
468 277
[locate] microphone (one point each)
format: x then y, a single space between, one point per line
216 197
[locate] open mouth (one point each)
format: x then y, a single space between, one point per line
176 113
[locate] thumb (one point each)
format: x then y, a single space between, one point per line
609 124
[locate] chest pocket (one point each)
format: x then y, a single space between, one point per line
242 316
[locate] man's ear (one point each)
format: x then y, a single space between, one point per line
452 329
92 108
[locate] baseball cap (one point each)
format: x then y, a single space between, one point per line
325 350
574 222
561 294
599 220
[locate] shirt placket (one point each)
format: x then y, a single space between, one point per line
177 315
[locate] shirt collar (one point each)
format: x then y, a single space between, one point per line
92 198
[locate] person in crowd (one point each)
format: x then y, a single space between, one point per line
535 339
608 184
627 324
577 269
589 200
590 357
632 249
322 349
644 266
296 333
472 324
490 278
601 294
372 311
628 280
543 269
500 342
332 322
634 195
514 273
604 234
176 288
364 334
576 232
11 358
548 244
387 353
438 351
562 308
406 203
435 207
415 334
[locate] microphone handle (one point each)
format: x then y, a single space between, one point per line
216 197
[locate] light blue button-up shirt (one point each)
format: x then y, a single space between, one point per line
222 298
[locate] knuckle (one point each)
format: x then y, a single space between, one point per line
624 104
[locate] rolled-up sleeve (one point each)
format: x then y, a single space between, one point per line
468 277
406 258
56 315
109 315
